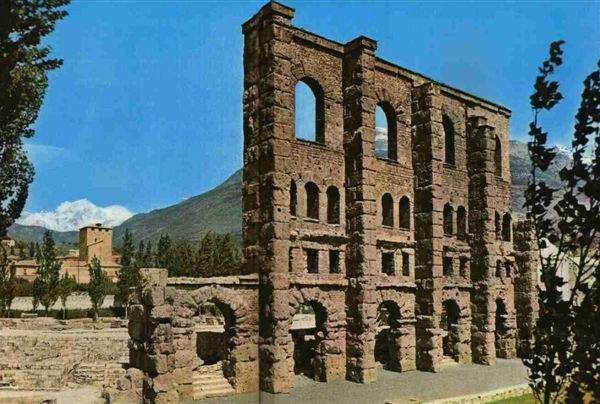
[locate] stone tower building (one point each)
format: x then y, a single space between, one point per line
411 251
95 241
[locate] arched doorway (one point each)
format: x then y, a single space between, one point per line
215 330
387 349
501 329
450 329
308 330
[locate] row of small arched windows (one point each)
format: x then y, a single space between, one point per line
387 210
461 229
312 192
503 226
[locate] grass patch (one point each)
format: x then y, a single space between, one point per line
524 399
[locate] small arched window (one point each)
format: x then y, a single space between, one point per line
293 198
498 157
498 225
312 200
461 223
449 140
309 106
506 227
387 210
405 213
333 205
448 220
386 134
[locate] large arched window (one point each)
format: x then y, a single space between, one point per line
293 198
386 134
333 205
448 220
404 213
309 110
461 223
498 157
312 200
506 227
387 210
449 140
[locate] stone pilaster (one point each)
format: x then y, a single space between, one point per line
428 149
361 207
268 126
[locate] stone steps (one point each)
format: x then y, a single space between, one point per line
213 384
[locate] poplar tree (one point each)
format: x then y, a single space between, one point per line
127 276
98 286
24 66
8 282
48 274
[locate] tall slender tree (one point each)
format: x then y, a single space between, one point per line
48 274
98 286
8 282
163 252
24 65
127 276
66 287
564 359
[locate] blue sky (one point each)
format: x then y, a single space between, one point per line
146 110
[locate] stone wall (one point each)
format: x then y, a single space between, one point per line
77 301
47 353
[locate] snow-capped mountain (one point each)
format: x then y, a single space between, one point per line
69 216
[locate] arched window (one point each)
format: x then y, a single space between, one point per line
448 220
449 156
506 227
333 205
386 134
405 213
387 210
309 123
312 200
498 157
497 225
293 198
461 223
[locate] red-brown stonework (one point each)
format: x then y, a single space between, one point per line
405 262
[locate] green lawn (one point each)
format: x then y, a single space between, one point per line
525 399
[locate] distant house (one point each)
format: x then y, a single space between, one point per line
94 241
7 242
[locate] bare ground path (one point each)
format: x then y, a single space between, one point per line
398 387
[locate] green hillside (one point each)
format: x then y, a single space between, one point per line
220 209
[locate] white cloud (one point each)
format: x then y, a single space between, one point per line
380 133
42 154
70 216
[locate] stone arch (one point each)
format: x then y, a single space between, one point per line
387 210
449 139
324 353
405 214
461 223
333 205
507 227
238 330
389 149
448 219
498 157
312 200
319 108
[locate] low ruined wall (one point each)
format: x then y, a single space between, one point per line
47 353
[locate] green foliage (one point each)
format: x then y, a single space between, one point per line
128 272
45 286
24 64
66 286
564 357
98 287
8 283
182 259
163 251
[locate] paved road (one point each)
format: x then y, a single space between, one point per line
450 382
